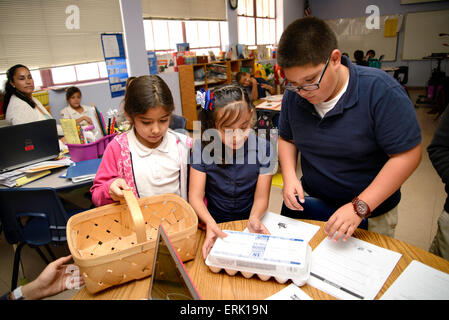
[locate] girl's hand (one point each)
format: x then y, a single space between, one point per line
293 188
116 187
344 220
212 232
256 226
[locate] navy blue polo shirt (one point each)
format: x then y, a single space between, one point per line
343 152
230 188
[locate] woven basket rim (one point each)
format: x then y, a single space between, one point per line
106 210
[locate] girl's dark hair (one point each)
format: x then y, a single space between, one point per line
146 92
233 100
71 91
10 90
306 41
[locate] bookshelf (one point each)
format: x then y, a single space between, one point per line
206 75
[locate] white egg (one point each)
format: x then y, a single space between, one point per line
231 272
263 277
281 280
299 282
214 269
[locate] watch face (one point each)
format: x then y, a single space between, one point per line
362 208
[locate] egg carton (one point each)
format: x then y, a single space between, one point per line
283 258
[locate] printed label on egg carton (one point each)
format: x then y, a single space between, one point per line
267 256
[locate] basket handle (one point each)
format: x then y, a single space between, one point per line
136 215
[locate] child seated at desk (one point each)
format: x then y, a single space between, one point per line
149 159
75 110
234 177
256 87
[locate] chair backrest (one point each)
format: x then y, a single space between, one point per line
16 201
401 75
177 122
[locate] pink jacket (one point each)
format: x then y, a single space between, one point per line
117 163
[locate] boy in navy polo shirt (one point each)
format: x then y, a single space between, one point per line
355 128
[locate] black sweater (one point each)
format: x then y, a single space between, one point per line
439 152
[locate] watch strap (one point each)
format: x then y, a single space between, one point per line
17 293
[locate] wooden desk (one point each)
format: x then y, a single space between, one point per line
222 286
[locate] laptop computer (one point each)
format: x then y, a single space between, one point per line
25 144
170 280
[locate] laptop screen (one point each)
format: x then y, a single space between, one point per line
170 280
28 143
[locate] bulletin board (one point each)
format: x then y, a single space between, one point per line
352 35
421 34
115 59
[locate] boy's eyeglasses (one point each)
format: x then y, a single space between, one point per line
308 87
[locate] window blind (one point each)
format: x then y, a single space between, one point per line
184 9
41 34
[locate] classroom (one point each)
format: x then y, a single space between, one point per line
131 103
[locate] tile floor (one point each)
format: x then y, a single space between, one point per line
422 201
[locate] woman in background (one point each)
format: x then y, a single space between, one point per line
19 105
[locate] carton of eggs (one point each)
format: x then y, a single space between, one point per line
266 256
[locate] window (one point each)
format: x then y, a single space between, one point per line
257 22
163 35
78 73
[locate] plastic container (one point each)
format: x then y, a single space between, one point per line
267 256
80 152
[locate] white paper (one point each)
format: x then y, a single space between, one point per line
349 270
419 282
110 45
291 292
287 227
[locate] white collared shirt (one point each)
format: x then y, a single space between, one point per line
324 107
156 171
70 113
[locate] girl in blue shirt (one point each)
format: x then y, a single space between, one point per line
231 168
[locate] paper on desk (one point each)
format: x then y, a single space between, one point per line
46 165
291 292
287 227
419 282
349 270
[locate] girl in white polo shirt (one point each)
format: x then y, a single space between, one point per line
149 159
75 110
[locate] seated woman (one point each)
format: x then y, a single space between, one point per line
19 105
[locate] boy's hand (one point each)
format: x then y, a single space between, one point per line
344 221
256 226
293 188
116 187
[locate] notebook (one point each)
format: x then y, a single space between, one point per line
25 144
170 280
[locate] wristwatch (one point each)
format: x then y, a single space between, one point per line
361 208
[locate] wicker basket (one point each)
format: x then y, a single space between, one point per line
114 244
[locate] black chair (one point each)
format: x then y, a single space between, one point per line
33 217
401 75
315 209
177 122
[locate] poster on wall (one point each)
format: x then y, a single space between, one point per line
115 59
